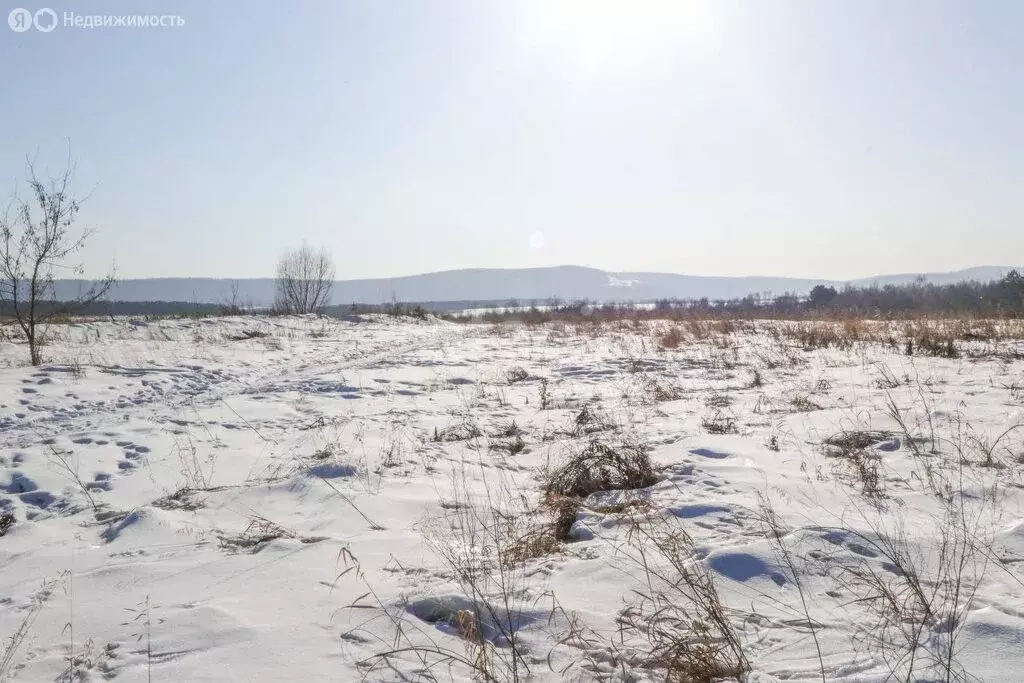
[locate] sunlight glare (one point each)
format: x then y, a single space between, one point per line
598 33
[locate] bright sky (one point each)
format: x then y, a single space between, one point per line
821 139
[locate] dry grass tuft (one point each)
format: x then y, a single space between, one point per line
719 423
462 431
256 535
516 374
671 339
843 442
676 622
589 420
6 522
803 404
600 467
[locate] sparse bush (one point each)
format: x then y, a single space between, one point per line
34 246
304 280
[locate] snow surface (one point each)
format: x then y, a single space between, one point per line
188 435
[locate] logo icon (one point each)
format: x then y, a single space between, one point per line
45 20
20 19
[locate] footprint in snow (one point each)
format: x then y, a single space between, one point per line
39 499
709 453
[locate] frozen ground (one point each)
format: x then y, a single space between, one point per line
274 499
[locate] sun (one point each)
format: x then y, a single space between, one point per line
597 34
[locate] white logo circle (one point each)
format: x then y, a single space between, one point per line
20 19
41 22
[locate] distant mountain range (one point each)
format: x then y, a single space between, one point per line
492 284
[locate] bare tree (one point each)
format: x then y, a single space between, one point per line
304 280
35 243
234 305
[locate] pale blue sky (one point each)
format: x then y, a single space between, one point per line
825 139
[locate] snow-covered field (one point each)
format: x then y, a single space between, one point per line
272 499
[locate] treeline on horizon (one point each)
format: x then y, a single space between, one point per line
999 298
